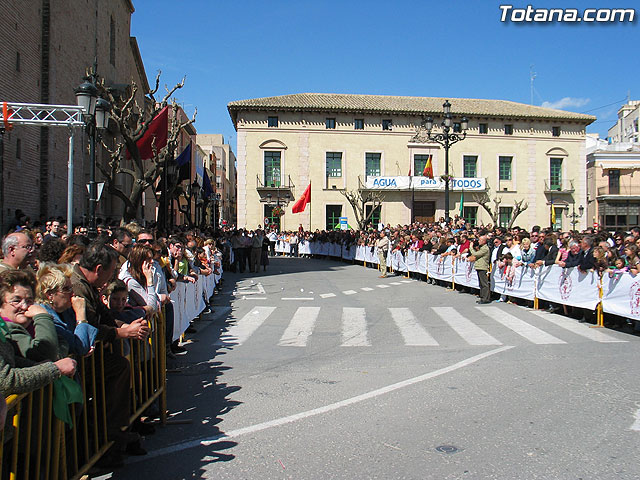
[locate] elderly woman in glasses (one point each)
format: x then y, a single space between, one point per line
55 294
19 374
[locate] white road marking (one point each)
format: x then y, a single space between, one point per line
383 286
237 334
469 331
406 281
172 449
396 283
327 295
297 298
349 292
254 298
636 424
522 328
366 289
354 328
413 333
577 328
300 328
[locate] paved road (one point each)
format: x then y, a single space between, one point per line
321 370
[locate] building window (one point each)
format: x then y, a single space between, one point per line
112 42
505 216
469 166
483 128
358 124
334 164
18 149
17 61
504 168
555 131
457 128
375 217
272 121
470 215
419 162
508 129
272 164
334 212
372 164
330 123
555 173
614 181
386 124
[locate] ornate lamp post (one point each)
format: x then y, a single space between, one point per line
96 117
447 138
575 216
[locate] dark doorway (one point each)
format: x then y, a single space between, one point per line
424 212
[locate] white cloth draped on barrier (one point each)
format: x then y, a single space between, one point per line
349 253
188 301
568 286
411 260
520 285
440 267
621 295
397 262
465 273
335 250
304 248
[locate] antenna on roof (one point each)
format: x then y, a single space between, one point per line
532 76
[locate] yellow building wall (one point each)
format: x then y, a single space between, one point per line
304 141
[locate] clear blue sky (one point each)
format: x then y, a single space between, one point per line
233 50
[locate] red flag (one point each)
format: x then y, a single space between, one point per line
158 129
300 205
428 168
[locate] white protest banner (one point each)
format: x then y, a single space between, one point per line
568 286
412 260
422 262
388 183
621 295
397 262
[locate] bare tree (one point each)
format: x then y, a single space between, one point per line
358 199
132 121
484 200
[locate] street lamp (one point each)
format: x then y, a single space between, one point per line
96 117
446 139
573 215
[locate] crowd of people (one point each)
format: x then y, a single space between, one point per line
60 294
607 252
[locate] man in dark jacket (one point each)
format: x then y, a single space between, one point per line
587 262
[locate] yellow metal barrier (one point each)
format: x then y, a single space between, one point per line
36 444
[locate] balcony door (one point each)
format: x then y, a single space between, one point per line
272 169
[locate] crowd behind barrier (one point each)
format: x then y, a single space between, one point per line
125 297
37 444
619 295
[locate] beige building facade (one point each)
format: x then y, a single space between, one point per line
613 189
348 142
627 127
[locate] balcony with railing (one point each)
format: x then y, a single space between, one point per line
623 190
274 182
558 185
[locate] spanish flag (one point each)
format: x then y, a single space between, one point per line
428 168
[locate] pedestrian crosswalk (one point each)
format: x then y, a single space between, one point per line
431 327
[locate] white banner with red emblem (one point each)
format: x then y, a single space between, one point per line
516 282
569 286
621 295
